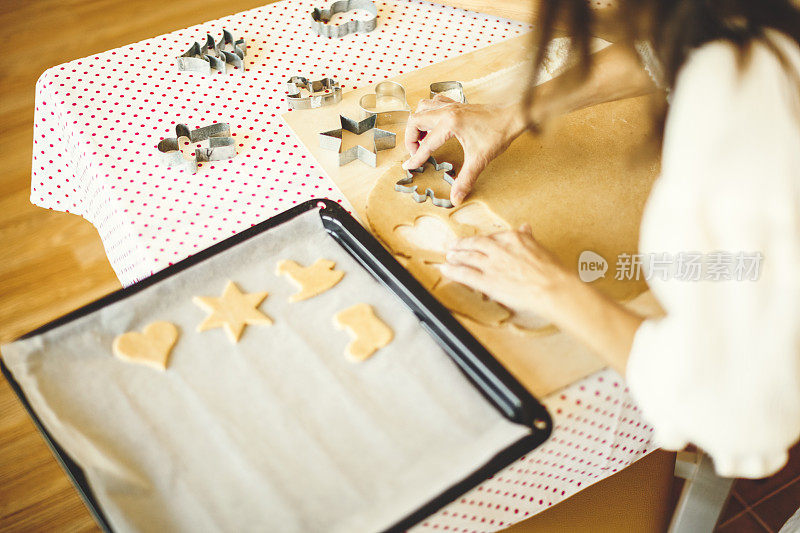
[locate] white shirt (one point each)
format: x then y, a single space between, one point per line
722 369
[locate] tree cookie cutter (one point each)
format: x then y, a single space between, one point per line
312 101
390 91
451 89
382 140
320 18
220 145
226 51
405 185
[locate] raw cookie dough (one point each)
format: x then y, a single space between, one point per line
311 280
582 185
232 311
470 303
151 347
368 332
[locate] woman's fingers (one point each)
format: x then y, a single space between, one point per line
436 102
469 276
433 140
467 258
484 245
466 179
418 125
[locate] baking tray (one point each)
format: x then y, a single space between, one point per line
493 381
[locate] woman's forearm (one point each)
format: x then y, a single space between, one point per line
616 73
599 322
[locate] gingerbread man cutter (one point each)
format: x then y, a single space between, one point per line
406 186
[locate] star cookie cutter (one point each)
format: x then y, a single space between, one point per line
320 18
455 89
404 185
296 83
382 140
220 145
391 92
214 55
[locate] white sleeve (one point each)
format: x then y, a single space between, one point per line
722 369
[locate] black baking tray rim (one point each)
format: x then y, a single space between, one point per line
496 384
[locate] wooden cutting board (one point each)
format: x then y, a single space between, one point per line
581 185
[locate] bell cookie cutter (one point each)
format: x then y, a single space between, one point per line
220 145
312 101
320 18
214 55
370 104
382 140
451 89
406 186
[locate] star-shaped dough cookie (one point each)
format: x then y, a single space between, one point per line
232 311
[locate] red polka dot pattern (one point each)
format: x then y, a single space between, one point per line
98 121
597 431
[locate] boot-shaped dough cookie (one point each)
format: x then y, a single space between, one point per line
368 332
151 347
232 311
311 280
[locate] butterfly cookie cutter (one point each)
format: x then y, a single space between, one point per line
382 140
220 145
295 85
214 55
451 89
405 185
320 18
374 103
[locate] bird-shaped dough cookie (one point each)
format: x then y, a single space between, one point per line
311 280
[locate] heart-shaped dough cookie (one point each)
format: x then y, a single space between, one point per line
150 347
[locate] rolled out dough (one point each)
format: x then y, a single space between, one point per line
580 187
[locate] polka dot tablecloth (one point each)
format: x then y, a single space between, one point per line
98 121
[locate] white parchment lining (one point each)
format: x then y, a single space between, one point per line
279 432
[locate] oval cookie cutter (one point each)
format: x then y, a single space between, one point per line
451 89
370 104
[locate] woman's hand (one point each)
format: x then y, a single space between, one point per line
515 270
512 268
484 132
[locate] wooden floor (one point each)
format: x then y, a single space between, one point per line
51 263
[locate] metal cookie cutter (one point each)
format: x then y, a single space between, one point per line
213 55
220 145
320 18
451 89
296 83
386 90
382 140
405 184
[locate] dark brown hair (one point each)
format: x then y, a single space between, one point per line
675 28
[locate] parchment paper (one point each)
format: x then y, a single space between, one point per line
279 432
